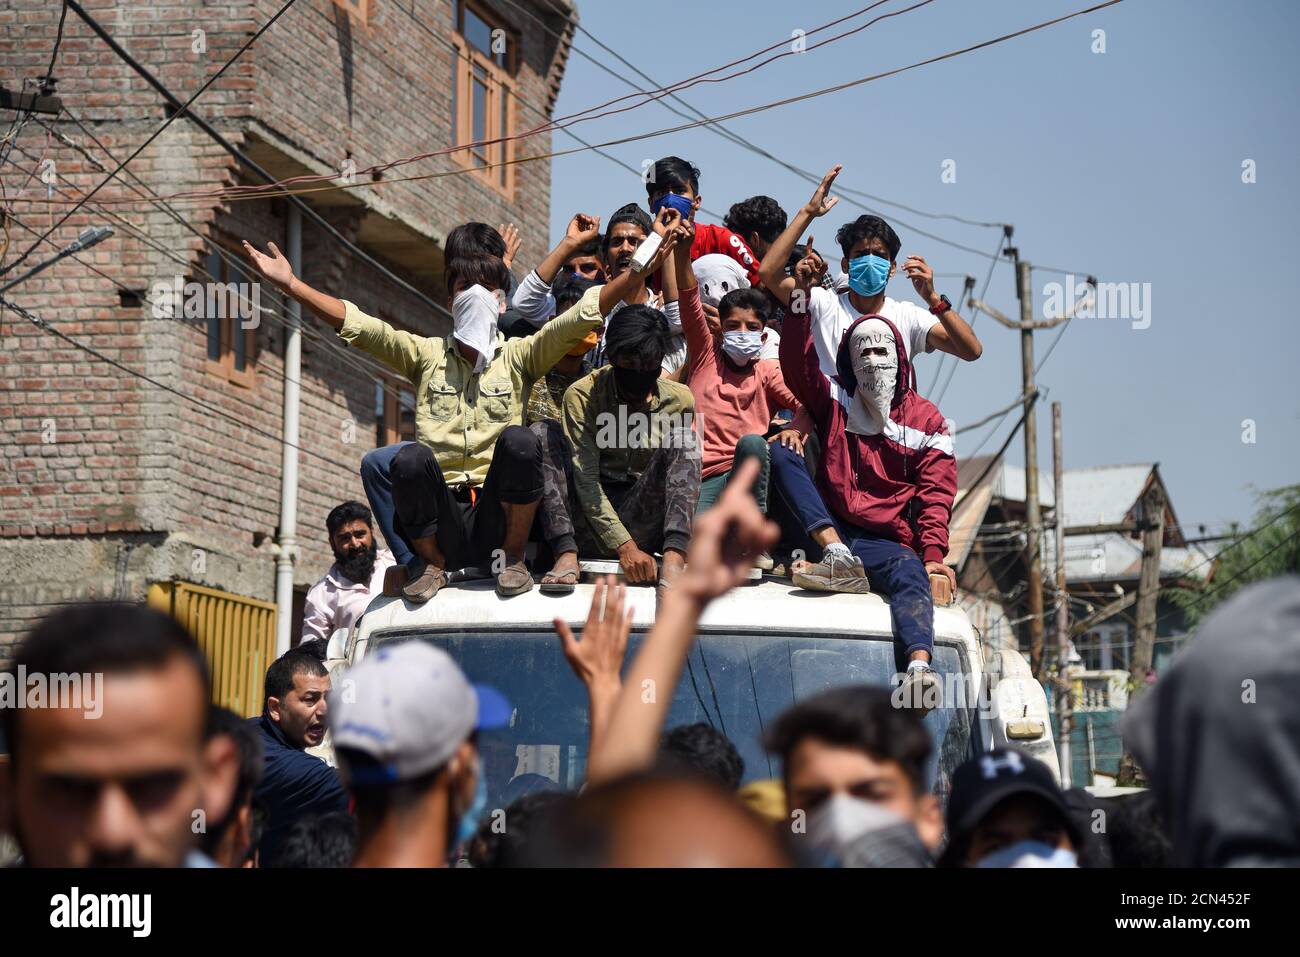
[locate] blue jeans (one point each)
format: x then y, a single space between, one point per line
376 479
895 571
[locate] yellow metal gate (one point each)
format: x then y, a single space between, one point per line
236 633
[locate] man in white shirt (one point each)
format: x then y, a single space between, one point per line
870 247
357 575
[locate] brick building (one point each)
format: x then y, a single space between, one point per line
111 484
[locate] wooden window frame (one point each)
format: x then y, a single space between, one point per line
224 367
388 425
499 171
359 9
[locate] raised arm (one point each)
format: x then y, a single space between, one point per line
597 659
277 271
725 541
800 366
581 230
699 340
772 269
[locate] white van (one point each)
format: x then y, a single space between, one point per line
760 648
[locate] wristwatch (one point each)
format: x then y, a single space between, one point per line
944 305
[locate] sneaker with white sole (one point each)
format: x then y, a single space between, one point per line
920 691
832 573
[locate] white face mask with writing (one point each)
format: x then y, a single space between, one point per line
877 376
474 322
1030 854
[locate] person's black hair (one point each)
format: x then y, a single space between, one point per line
568 289
1136 832
748 297
102 638
316 647
581 832
473 239
319 840
477 269
346 512
639 332
376 799
868 227
858 717
673 174
249 743
590 248
758 214
631 213
524 819
256 828
702 749
279 677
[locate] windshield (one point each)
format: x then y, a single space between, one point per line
739 685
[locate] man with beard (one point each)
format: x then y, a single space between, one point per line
357 575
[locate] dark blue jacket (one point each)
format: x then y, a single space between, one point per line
294 785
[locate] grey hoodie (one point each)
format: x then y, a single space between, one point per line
1219 734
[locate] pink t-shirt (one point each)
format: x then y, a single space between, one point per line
730 403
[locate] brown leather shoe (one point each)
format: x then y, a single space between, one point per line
514 579
424 584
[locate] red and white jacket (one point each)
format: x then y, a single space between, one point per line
898 485
711 239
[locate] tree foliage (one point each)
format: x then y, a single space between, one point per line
1268 549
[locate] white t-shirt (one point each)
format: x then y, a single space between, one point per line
832 314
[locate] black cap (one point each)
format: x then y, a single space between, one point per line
984 782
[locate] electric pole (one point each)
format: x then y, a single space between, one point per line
1033 516
1151 521
1064 706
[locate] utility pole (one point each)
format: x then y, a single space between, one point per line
1033 516
1152 523
287 544
1064 705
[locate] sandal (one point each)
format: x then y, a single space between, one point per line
559 583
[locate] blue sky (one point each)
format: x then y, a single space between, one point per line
1126 164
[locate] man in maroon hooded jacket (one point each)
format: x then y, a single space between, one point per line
885 483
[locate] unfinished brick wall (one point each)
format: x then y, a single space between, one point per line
108 483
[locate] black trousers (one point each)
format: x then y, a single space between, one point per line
468 528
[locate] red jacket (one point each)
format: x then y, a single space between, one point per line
898 485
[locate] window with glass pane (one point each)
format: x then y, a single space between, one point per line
483 79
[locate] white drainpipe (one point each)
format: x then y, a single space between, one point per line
287 551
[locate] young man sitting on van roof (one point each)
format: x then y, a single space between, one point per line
887 476
636 462
471 485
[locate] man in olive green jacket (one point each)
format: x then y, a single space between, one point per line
467 490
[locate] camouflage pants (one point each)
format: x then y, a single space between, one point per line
656 509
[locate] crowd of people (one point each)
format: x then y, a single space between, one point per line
692 401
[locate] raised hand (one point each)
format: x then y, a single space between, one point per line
513 241
821 203
667 221
922 276
598 658
582 229
811 269
274 267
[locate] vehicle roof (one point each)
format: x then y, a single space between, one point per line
771 605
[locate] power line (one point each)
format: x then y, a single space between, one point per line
156 133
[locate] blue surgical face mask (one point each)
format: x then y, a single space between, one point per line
680 203
468 823
1030 854
868 274
742 346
